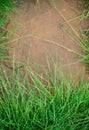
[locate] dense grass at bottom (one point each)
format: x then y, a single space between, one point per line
35 105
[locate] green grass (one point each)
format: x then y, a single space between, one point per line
85 47
30 102
85 37
6 7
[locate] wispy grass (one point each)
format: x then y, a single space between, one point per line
84 40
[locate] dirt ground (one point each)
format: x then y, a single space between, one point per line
41 33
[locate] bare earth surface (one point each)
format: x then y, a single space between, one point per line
41 33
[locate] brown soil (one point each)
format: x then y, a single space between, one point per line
41 33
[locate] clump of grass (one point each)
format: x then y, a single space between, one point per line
85 13
5 8
85 36
31 104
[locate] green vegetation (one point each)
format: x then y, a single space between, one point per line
30 102
32 105
6 7
85 36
